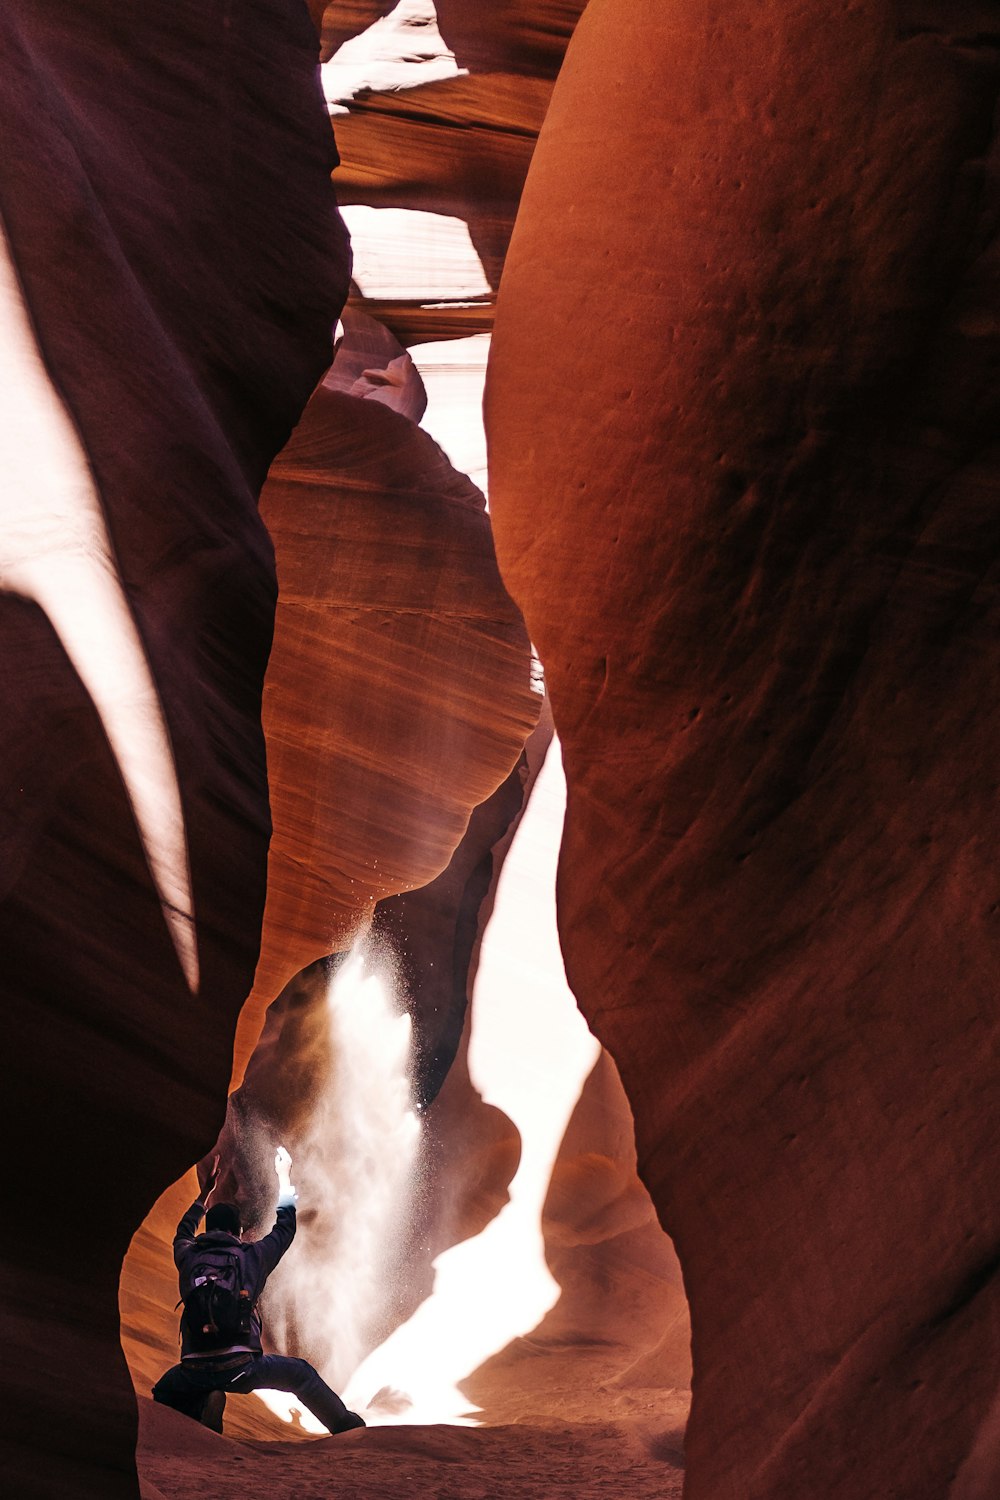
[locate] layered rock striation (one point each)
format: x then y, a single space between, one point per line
398 692
456 145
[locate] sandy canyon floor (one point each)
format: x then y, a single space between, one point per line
638 1457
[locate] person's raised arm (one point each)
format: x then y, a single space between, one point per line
208 1178
188 1226
287 1196
274 1245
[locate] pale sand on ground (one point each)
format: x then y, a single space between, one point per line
178 1460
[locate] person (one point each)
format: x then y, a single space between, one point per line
216 1363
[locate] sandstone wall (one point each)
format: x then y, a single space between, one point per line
164 188
743 417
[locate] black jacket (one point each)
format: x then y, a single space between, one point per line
259 1259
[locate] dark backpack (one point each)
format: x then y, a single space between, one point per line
217 1305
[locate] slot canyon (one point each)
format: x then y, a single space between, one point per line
498 589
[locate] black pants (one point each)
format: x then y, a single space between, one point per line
187 1388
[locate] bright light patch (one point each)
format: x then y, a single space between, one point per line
55 549
290 1409
399 51
353 1168
408 254
530 1055
454 372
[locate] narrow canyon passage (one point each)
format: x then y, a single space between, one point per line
475 1246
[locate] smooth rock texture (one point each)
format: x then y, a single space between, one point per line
428 942
516 36
754 529
398 691
434 932
164 184
469 1151
417 139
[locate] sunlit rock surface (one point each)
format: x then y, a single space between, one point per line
753 528
381 46
616 1344
355 650
433 933
370 363
398 692
564 1291
453 372
164 187
513 36
166 194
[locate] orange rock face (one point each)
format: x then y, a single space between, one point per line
753 528
458 146
398 691
515 36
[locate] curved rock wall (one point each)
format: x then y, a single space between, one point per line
753 527
398 692
425 944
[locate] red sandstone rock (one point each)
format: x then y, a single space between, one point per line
620 1280
513 36
564 1461
398 691
753 528
434 933
338 22
460 147
469 1152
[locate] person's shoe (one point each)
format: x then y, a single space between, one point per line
213 1410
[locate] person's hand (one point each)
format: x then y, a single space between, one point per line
208 1179
283 1166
